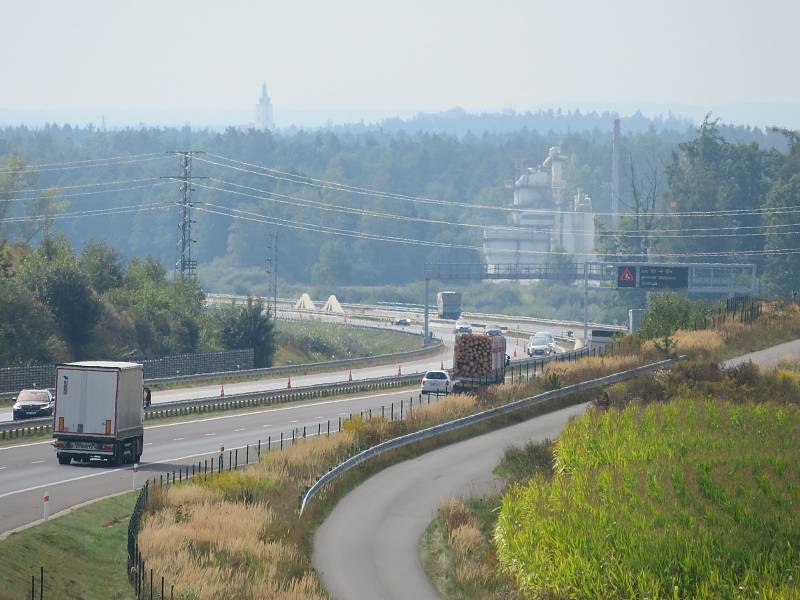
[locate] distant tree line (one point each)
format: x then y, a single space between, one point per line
743 200
667 166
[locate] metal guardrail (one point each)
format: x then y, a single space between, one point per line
329 365
16 429
443 428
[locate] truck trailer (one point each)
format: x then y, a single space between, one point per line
448 305
98 412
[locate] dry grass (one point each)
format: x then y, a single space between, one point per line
453 407
238 536
467 565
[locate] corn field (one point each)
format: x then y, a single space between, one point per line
692 499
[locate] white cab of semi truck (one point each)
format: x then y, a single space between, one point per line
98 412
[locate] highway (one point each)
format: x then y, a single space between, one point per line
29 469
416 365
368 547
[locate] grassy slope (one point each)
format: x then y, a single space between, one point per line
84 554
308 341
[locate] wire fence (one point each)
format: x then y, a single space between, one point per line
14 379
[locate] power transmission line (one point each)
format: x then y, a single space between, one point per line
80 194
320 183
89 213
307 203
258 218
99 162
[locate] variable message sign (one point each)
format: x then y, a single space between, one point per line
663 278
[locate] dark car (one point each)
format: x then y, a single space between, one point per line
402 321
33 403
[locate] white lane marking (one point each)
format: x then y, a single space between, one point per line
1 468
294 421
177 439
209 434
319 418
344 414
36 462
265 426
148 443
268 410
26 445
240 429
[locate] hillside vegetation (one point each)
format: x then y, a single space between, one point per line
308 341
690 499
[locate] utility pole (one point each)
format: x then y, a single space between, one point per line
272 272
185 266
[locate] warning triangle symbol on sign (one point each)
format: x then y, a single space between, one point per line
626 275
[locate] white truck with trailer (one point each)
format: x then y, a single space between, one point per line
98 412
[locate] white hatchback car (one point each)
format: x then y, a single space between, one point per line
437 382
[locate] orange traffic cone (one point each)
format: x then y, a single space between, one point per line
222 389
350 376
289 385
399 372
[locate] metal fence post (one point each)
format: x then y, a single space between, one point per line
281 440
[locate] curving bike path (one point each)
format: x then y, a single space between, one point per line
368 547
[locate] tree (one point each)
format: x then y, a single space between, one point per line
669 312
782 270
55 278
248 326
333 267
28 331
103 264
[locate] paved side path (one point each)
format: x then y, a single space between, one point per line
368 547
770 356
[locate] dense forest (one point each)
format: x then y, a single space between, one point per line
668 165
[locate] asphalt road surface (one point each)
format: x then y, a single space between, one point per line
445 357
368 547
28 470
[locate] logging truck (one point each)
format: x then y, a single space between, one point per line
479 359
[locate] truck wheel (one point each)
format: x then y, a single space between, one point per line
64 459
119 454
139 448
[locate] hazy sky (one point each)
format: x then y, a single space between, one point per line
396 56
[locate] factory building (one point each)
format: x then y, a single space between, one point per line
545 222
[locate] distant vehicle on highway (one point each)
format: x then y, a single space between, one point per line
436 382
33 403
541 343
462 328
403 321
494 330
448 304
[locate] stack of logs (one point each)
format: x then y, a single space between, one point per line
472 356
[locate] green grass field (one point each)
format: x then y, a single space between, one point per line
314 341
692 499
84 554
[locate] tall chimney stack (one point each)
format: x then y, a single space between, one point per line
615 148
